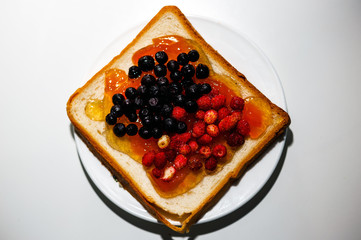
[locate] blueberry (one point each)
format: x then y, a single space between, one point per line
179 100
117 110
172 65
191 106
176 76
144 112
146 63
138 102
143 91
119 130
132 129
148 121
181 127
157 132
166 110
193 91
118 99
202 71
160 70
170 124
157 120
127 105
154 104
205 88
188 71
163 92
162 81
187 82
145 133
148 80
132 116
111 119
134 72
183 59
131 93
154 91
161 57
175 88
193 55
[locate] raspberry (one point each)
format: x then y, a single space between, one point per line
148 158
218 101
194 145
210 116
169 173
170 154
205 139
243 127
212 130
211 164
185 149
180 161
237 103
157 173
179 113
219 151
223 112
229 122
160 160
195 163
200 114
213 93
179 139
204 102
235 139
205 151
199 128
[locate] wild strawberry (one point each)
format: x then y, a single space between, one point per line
223 112
169 173
204 102
218 101
213 93
148 158
205 139
219 151
205 151
179 113
243 127
170 154
200 114
229 122
184 149
160 160
157 173
180 161
211 164
212 130
194 145
199 128
235 139
179 139
210 116
237 103
194 163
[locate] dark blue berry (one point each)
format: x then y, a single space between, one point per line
154 104
179 100
127 105
117 110
118 99
132 116
205 88
176 76
173 65
181 127
164 92
170 124
134 72
191 106
145 133
131 93
143 91
138 102
132 129
146 63
193 55
157 132
157 120
166 110
111 119
188 71
175 88
160 70
202 71
183 59
154 91
193 91
119 130
148 121
148 80
162 81
161 57
187 82
144 112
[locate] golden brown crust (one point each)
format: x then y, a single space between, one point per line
116 170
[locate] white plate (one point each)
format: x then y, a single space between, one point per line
248 59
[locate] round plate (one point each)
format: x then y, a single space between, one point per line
248 59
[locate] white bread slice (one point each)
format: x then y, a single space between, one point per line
187 207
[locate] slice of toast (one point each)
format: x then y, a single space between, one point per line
188 207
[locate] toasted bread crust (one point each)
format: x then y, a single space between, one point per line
132 186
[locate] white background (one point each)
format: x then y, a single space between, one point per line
46 49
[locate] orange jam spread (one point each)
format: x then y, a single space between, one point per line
256 112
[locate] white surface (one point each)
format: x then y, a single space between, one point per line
259 70
46 47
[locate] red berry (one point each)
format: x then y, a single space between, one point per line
211 164
204 102
205 151
199 128
180 161
205 139
179 113
160 160
235 139
219 151
237 103
157 173
179 139
170 154
194 145
229 122
212 130
210 116
243 127
194 163
200 114
213 93
148 158
218 101
223 112
185 149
